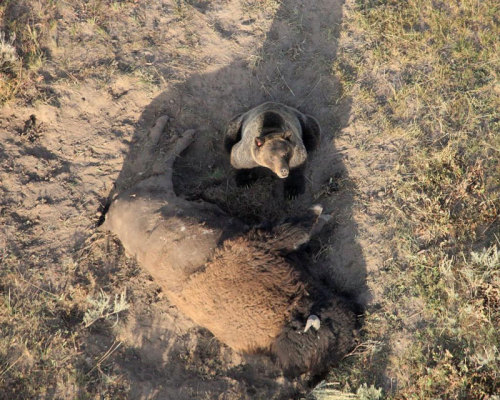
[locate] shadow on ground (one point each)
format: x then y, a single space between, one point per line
166 356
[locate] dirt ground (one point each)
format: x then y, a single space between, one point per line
105 84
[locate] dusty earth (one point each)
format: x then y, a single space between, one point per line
212 59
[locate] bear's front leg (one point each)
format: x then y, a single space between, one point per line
245 177
295 184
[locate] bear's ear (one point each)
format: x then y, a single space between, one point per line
287 135
311 132
232 135
259 141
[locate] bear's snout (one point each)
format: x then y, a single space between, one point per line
283 172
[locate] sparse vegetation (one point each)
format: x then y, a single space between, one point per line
10 68
27 29
103 308
327 391
424 75
45 42
9 61
422 78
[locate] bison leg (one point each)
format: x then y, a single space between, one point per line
295 184
297 231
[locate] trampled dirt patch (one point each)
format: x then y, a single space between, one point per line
108 78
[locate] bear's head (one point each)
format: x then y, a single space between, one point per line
274 151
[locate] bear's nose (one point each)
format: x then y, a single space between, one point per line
284 172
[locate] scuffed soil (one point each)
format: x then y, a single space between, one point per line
105 83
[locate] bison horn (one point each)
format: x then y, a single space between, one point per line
317 209
313 321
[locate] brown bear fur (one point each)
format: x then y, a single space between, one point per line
238 283
274 136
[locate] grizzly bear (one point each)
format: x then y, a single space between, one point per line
235 281
274 136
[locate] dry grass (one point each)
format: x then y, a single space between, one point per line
422 73
27 27
58 42
426 75
45 349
